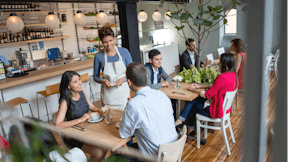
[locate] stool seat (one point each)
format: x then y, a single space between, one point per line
43 93
16 101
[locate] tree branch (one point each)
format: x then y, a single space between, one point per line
207 2
205 41
217 28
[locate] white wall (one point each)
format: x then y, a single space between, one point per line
211 44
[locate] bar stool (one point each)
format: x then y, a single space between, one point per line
19 101
50 90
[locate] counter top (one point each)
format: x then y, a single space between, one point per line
46 73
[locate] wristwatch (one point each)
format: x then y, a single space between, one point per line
194 90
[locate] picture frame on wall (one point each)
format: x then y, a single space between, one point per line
159 24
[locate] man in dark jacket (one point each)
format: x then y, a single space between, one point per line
189 56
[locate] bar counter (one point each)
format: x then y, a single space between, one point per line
45 73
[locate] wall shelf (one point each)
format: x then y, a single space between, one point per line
23 12
34 40
26 25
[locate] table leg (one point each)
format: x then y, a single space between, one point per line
178 110
2 96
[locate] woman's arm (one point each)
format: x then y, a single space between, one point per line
217 85
61 116
97 66
239 59
92 106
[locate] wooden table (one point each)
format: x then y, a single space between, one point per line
189 95
101 132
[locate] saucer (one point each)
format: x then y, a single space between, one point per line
95 121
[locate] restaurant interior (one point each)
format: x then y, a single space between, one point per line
41 40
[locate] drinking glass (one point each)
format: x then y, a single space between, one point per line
108 119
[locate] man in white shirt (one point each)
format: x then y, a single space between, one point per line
149 115
189 56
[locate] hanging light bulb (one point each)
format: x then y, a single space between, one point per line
156 15
101 17
14 23
168 13
80 18
52 21
142 16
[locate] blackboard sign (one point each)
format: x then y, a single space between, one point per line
159 24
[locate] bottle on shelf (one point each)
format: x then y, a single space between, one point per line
5 37
19 37
8 38
51 33
1 39
15 38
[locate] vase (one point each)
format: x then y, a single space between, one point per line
177 85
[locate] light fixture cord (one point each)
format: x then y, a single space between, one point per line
50 6
141 6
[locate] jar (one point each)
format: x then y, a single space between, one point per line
64 18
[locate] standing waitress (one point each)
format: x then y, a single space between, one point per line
113 62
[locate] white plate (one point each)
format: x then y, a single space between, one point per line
95 121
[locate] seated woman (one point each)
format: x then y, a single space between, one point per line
210 102
74 105
48 143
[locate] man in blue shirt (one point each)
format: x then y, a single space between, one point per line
149 115
5 61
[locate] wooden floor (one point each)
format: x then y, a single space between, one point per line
214 150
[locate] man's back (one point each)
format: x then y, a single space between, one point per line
149 116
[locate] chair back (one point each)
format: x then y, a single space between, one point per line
210 57
177 69
173 151
220 51
277 54
52 89
84 77
228 100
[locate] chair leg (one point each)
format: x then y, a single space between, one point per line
46 109
91 93
231 130
225 139
205 130
30 109
198 133
37 106
21 110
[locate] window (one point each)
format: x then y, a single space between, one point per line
231 26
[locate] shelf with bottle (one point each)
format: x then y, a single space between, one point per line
23 12
19 6
27 25
34 40
27 35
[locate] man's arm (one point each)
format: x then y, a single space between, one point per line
128 125
184 61
165 76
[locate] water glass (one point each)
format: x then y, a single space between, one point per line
108 119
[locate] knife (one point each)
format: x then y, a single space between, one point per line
178 93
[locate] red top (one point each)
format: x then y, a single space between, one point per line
240 74
223 83
3 143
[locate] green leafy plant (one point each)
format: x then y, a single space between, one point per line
193 76
201 22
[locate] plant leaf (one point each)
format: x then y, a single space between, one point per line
209 8
195 24
207 23
200 8
206 12
184 16
175 16
225 21
216 17
218 8
197 21
179 28
200 15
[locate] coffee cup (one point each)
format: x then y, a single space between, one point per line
94 116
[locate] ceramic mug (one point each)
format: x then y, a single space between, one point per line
94 116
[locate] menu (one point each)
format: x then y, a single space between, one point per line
2 71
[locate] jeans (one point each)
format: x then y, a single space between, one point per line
197 108
189 105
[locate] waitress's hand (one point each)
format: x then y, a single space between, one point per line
106 83
84 118
121 81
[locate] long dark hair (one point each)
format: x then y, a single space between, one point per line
239 45
65 93
228 64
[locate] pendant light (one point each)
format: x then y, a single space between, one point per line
156 15
168 13
14 23
79 18
142 15
101 17
52 21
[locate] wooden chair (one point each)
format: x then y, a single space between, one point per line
19 101
50 90
177 69
173 151
275 65
266 73
228 100
86 79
